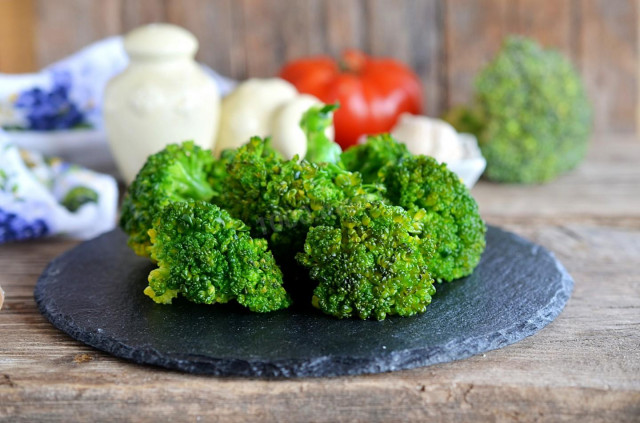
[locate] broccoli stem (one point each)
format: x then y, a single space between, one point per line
192 184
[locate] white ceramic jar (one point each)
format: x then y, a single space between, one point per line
163 97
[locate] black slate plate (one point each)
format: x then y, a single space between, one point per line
94 293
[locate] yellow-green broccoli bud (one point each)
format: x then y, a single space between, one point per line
179 172
370 264
450 217
206 256
372 156
280 199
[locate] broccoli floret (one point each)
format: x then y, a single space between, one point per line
78 197
372 156
217 175
208 257
314 123
451 222
465 119
179 172
370 264
450 219
280 199
534 114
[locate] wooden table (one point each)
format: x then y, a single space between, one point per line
584 366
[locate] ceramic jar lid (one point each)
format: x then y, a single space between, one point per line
160 40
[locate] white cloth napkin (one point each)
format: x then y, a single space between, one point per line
41 196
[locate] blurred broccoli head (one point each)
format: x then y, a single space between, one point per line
78 197
179 172
208 257
451 225
370 264
535 114
464 119
372 156
280 199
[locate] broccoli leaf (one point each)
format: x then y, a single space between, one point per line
78 197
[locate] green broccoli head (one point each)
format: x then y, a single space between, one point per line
206 256
450 219
369 264
78 197
179 172
535 112
280 199
314 123
372 156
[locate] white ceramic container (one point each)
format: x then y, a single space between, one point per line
163 97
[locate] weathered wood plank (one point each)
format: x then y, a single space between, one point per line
336 25
609 55
473 33
141 12
411 32
269 46
551 23
66 26
607 185
384 18
211 23
17 35
428 57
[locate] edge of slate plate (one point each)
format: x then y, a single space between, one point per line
321 366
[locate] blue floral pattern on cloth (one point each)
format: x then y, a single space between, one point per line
68 94
15 228
47 110
65 95
42 196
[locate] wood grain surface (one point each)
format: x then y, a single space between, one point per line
17 36
445 41
585 366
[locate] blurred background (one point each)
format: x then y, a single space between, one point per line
445 41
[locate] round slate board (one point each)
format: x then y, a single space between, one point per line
94 293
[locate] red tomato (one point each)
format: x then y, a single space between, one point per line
372 92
